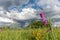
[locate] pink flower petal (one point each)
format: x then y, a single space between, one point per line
45 23
41 14
42 19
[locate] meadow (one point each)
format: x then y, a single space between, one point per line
30 34
33 32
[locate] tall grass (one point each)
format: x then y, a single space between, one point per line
26 34
35 31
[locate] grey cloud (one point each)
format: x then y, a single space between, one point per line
7 3
21 19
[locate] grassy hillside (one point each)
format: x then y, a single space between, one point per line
35 31
30 34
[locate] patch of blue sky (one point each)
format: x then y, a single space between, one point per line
37 7
33 6
31 1
21 7
14 7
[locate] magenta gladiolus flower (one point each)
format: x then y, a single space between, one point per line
41 14
43 19
45 23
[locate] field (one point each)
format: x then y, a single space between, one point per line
30 34
35 31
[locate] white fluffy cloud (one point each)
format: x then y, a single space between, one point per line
2 19
22 18
28 13
15 16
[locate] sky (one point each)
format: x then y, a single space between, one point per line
22 12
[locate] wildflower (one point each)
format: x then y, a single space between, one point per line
37 38
33 32
45 23
43 19
41 14
38 34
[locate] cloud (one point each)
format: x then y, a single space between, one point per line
2 19
56 24
20 18
25 17
56 16
51 9
44 2
7 3
9 10
28 13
